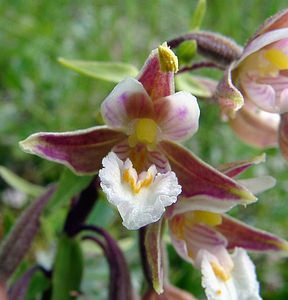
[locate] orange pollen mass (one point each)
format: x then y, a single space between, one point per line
135 185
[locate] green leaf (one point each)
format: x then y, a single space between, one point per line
68 186
19 183
68 269
198 86
186 51
109 71
198 15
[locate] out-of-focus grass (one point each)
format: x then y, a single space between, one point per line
37 94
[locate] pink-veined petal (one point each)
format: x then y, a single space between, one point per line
283 135
205 187
241 235
158 84
263 40
141 154
177 116
256 127
126 102
153 247
237 167
81 150
193 238
262 95
280 87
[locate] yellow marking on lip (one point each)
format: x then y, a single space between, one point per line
219 271
168 60
206 217
278 58
145 132
137 186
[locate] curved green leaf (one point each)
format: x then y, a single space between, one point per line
109 71
19 183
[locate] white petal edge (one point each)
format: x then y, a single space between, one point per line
242 285
259 184
142 208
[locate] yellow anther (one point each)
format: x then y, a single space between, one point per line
219 271
278 58
168 60
136 186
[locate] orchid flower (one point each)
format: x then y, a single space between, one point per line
141 168
258 81
205 239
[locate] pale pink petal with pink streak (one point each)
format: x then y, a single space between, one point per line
81 150
262 41
262 95
177 116
126 102
205 187
239 234
256 127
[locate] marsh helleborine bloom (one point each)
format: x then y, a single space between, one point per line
143 169
205 239
259 82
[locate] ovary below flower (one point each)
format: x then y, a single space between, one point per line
140 198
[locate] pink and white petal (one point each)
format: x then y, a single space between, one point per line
158 84
283 135
193 238
177 116
262 95
237 167
262 41
201 180
258 185
82 150
280 86
283 100
238 234
153 248
256 127
228 96
126 102
279 20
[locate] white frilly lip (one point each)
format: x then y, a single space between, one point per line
241 283
148 204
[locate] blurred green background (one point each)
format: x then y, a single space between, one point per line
38 94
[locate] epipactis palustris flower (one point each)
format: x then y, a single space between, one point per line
259 81
144 170
205 239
